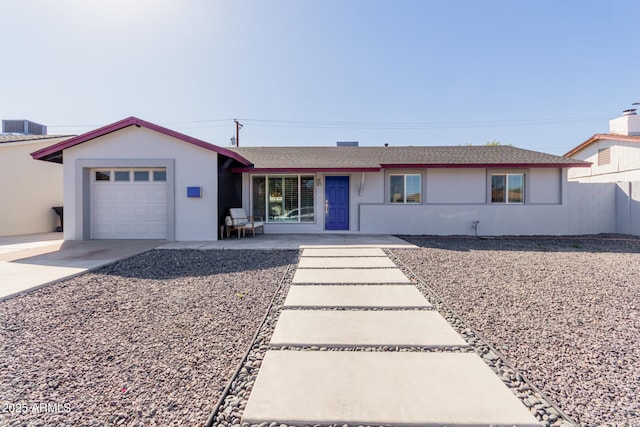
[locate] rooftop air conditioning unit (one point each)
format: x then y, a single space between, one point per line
25 127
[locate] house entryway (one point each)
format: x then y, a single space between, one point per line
336 203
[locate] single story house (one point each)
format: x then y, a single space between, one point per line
614 156
135 179
28 190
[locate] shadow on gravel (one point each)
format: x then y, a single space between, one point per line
171 264
589 244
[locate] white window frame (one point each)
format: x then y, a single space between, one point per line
506 188
112 174
404 189
266 199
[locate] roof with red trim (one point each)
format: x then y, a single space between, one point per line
307 159
54 153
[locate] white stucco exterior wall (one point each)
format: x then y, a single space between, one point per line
455 186
545 186
452 200
445 220
455 198
29 189
194 219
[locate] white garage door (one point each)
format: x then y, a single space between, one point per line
128 204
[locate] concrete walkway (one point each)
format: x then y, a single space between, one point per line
418 388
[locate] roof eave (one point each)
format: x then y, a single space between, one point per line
47 152
483 165
598 137
55 150
305 170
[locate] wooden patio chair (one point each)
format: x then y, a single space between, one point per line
241 222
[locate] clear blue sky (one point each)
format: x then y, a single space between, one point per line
541 74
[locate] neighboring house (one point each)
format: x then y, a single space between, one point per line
611 186
28 189
134 179
615 156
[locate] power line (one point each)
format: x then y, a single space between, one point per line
373 125
419 125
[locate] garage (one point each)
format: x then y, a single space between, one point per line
133 179
128 203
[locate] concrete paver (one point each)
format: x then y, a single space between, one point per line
354 328
418 389
346 262
347 275
414 388
381 296
342 252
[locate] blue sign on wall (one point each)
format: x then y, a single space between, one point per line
194 192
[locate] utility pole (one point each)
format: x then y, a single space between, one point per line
238 127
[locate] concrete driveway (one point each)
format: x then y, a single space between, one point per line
32 261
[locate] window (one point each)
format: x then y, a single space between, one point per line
507 188
103 176
604 156
141 175
159 175
259 200
121 176
283 198
306 198
288 198
405 188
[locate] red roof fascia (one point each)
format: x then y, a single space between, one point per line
598 137
303 170
483 165
134 121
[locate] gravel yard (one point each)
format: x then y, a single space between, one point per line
151 340
566 312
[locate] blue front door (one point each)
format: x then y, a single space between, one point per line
336 215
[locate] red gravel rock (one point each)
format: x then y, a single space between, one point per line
564 311
151 340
